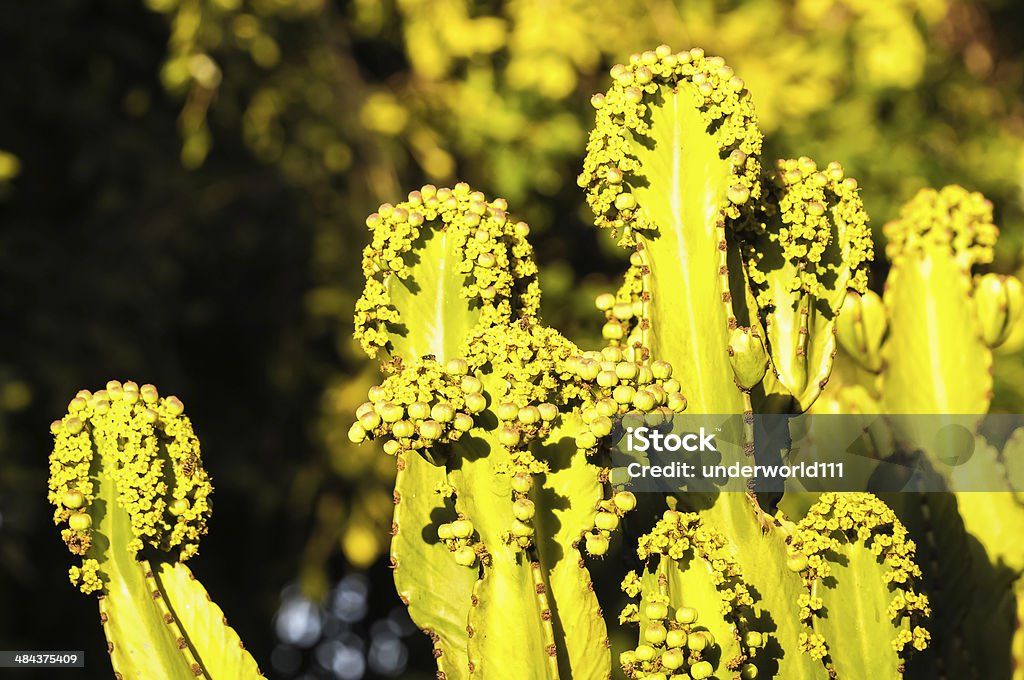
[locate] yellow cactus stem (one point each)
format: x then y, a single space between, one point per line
622 121
145 445
863 518
815 208
951 219
496 261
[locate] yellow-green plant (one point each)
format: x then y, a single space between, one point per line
132 499
500 427
729 305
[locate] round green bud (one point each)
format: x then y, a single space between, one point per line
475 402
634 95
403 429
623 311
748 672
605 301
627 658
612 354
548 412
356 433
676 402
73 499
623 394
625 201
607 379
644 401
443 412
391 447
645 652
613 176
655 633
606 407
626 370
488 293
697 642
376 393
656 610
391 412
74 425
486 260
507 411
419 410
179 507
174 406
738 194
471 384
521 529
431 430
597 544
463 422
644 375
686 615
701 670
586 440
606 521
523 509
522 482
529 415
370 421
754 639
662 370
80 521
457 367
601 427
364 408
796 562
508 436
676 638
597 101
624 501
672 659
444 532
462 528
149 393
589 370
523 541
465 556
613 330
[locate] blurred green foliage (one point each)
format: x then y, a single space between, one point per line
183 182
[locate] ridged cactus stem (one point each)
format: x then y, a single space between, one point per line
127 479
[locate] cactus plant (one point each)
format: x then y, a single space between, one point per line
740 275
131 495
729 305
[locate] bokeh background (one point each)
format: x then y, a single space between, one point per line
182 191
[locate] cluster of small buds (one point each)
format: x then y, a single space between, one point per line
952 220
861 518
625 309
818 210
619 386
459 537
609 513
523 511
623 119
421 405
676 646
494 258
684 536
150 454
